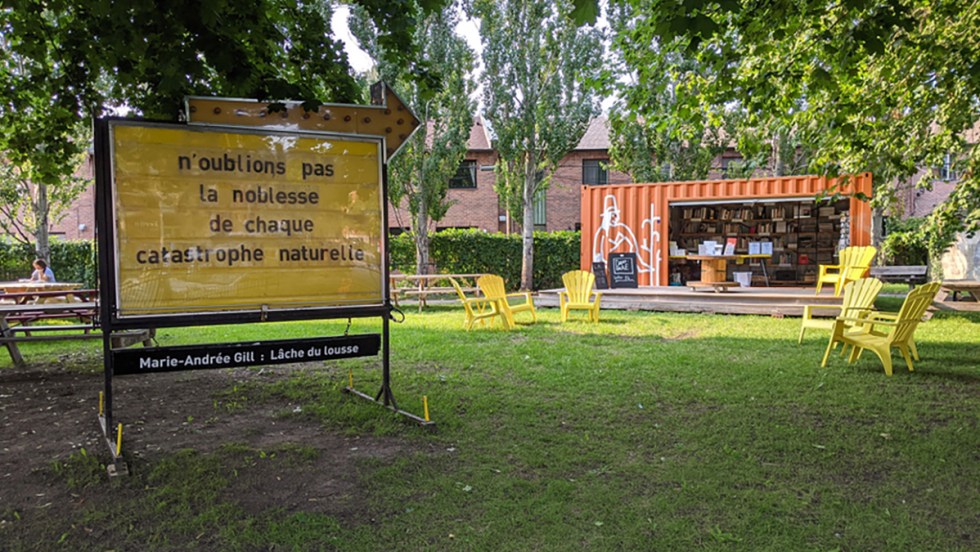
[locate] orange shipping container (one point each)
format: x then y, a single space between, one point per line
636 217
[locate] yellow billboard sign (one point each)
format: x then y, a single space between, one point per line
209 220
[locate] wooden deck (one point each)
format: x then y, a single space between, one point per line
772 301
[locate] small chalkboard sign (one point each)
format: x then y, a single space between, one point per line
622 270
599 269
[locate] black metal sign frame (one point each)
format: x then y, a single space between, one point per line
121 361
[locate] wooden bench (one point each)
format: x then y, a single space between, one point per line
14 329
422 286
911 274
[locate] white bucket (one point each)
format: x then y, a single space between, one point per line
744 279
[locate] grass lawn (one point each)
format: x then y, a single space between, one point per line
648 431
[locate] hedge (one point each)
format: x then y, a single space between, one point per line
71 261
452 251
475 251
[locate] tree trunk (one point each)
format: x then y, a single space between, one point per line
778 163
42 243
422 238
527 232
421 231
877 227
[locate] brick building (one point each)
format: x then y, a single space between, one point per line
78 220
476 205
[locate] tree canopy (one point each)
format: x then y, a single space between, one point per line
887 86
66 61
420 175
536 66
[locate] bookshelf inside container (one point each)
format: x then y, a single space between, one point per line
803 234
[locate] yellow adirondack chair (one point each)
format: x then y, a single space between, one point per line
477 309
578 291
854 263
859 297
880 332
493 289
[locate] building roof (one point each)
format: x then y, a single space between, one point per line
596 137
479 137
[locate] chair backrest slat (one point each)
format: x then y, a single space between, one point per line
860 294
856 260
579 284
914 307
492 286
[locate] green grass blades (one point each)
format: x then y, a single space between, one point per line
647 431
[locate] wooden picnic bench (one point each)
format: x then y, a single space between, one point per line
16 327
968 287
74 297
422 286
910 274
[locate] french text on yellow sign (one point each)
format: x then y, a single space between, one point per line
209 220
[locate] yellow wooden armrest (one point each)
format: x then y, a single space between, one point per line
884 316
867 321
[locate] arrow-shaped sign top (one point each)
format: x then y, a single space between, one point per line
388 117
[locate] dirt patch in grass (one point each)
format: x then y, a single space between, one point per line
290 463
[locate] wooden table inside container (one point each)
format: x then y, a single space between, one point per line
714 270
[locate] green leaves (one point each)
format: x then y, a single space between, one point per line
886 86
536 63
585 12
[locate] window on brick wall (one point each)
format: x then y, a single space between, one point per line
726 162
465 175
594 172
540 210
946 172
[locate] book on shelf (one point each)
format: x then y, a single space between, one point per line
730 246
766 248
755 248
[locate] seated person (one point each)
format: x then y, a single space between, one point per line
42 273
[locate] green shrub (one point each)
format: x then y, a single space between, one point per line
15 260
475 251
71 261
906 243
452 251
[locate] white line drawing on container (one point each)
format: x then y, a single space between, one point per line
612 233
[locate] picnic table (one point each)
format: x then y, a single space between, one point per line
20 311
971 287
49 296
422 286
22 286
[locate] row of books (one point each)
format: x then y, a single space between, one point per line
753 212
